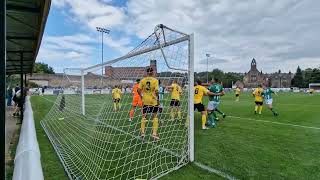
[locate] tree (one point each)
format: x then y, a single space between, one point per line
315 76
297 80
42 68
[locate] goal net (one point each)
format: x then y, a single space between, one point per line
97 135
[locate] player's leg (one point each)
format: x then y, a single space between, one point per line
133 108
211 114
172 107
119 104
270 106
155 123
260 107
178 109
114 104
216 104
145 110
256 107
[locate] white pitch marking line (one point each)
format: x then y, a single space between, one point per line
215 171
286 124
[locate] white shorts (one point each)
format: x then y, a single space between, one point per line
212 105
268 101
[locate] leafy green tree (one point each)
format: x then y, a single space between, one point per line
42 68
297 80
315 76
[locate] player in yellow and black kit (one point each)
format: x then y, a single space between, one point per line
116 94
199 92
258 99
237 93
176 92
148 90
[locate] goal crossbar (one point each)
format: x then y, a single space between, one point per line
156 47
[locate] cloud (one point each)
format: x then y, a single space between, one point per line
78 50
93 13
279 34
269 30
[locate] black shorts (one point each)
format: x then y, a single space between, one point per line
259 103
199 107
150 109
116 100
174 102
237 95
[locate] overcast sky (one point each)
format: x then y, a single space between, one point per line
279 34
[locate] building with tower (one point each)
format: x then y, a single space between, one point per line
254 77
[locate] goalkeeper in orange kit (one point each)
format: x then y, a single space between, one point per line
136 99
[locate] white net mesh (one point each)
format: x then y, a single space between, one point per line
96 142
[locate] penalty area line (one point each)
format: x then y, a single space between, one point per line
215 171
279 123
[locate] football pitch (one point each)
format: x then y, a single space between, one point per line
244 145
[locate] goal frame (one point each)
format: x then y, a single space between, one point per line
186 37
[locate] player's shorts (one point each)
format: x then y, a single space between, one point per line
268 101
200 107
175 102
150 109
237 95
259 103
116 100
137 102
212 105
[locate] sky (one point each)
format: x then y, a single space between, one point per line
279 34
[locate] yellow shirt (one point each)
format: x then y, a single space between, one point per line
237 90
149 88
258 94
176 91
199 92
116 93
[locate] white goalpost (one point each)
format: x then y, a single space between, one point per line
91 132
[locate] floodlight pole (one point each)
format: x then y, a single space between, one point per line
208 55
102 30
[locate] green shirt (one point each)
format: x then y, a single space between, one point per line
267 93
215 88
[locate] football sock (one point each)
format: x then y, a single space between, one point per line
115 106
256 108
203 120
172 114
155 126
143 125
179 114
260 109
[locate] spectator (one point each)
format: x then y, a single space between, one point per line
9 96
17 103
16 89
42 93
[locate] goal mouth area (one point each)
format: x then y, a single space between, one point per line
89 126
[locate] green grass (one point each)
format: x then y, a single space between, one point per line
244 145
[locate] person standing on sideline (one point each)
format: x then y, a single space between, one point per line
9 96
42 91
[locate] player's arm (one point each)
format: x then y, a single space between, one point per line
140 87
254 93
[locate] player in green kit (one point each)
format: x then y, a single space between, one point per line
267 94
214 101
